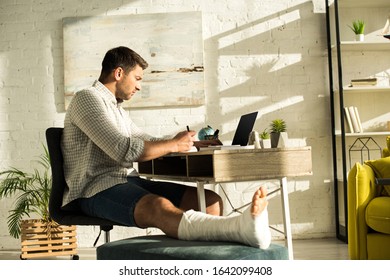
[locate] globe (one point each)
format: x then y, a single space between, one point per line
204 132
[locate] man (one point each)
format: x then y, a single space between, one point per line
100 143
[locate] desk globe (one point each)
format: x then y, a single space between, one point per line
204 132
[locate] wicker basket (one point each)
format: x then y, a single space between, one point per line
40 239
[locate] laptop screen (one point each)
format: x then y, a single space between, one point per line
244 128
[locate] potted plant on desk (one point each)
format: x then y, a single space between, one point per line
265 141
277 126
40 237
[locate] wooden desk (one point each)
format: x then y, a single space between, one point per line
222 166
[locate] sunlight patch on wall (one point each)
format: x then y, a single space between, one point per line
258 28
230 126
241 71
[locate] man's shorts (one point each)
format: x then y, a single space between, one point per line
117 203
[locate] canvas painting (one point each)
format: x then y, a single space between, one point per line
171 43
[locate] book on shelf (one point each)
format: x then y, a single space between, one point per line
353 119
358 120
364 82
348 119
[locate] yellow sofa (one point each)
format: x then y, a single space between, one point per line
369 210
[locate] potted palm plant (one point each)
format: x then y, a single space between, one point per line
42 236
277 126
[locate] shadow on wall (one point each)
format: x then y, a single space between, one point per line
276 65
270 64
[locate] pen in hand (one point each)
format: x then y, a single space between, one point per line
188 129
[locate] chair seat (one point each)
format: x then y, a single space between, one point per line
161 247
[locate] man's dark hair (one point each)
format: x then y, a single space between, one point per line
120 57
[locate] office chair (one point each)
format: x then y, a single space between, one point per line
61 216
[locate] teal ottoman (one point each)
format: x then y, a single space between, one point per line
161 247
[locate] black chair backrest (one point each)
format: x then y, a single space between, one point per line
53 138
61 216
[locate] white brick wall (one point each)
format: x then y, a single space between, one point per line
265 55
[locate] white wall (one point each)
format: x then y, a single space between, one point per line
267 55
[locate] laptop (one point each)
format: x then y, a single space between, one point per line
244 128
241 136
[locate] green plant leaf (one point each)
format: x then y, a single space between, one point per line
31 192
358 26
278 125
264 134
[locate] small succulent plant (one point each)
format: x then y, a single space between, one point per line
264 134
278 125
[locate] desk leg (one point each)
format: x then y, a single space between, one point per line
286 217
201 197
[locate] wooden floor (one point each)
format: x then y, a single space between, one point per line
308 249
320 249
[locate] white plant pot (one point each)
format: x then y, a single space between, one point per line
265 143
283 140
360 37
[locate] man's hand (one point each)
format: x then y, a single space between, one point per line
184 140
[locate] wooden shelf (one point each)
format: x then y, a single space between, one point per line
364 134
365 46
363 3
365 89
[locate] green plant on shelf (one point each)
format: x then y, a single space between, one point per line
358 26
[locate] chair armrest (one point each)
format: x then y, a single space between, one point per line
382 181
362 189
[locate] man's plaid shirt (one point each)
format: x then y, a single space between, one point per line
99 143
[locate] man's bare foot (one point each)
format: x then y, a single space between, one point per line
259 201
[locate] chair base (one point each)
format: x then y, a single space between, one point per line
161 247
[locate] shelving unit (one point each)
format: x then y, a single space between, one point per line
347 60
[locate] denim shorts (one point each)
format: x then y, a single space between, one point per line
117 203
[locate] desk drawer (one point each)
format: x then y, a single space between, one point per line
175 166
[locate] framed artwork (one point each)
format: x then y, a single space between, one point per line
171 43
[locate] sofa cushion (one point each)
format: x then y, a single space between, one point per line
161 247
381 169
378 214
